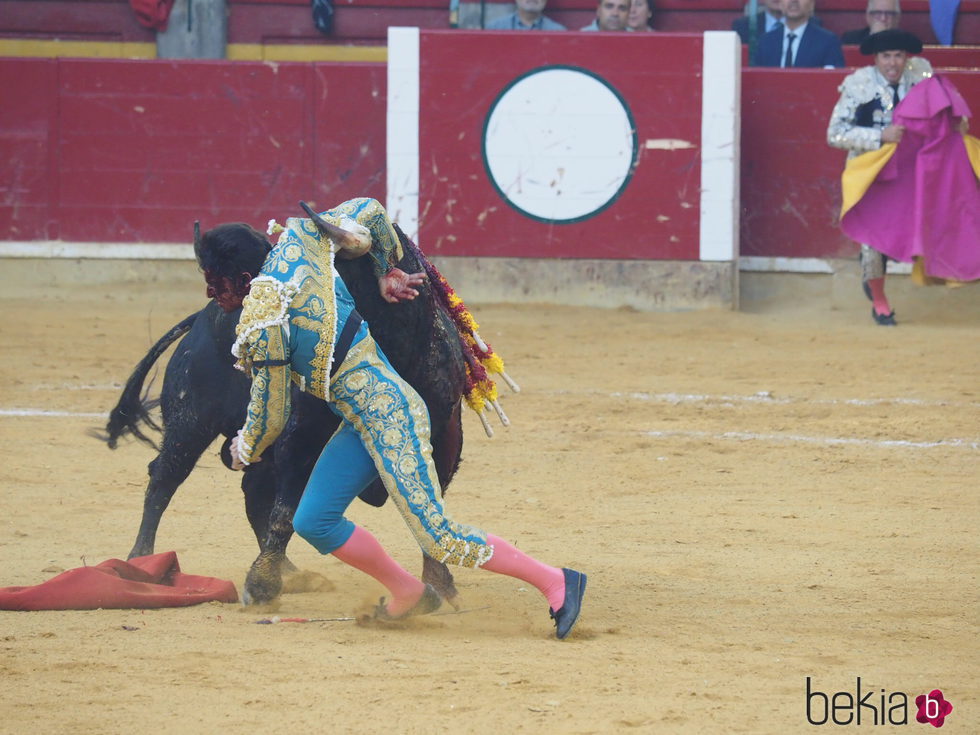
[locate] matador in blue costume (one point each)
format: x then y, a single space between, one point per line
298 325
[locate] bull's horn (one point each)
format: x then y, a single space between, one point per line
344 239
197 240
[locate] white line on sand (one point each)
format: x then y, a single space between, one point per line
42 412
972 444
765 398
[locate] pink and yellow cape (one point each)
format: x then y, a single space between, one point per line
919 200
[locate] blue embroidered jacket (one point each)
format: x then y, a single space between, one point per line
294 312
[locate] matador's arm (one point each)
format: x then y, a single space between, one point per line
843 133
386 250
269 402
368 230
262 346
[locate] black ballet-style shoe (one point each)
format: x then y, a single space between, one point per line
572 604
884 320
429 602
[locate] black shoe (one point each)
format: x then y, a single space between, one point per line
884 320
867 290
428 602
572 604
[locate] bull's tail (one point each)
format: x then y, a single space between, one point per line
132 413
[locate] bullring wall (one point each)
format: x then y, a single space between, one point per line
135 151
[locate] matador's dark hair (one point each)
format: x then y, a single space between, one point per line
231 249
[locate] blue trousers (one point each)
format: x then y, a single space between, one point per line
385 433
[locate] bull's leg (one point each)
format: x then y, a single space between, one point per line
295 454
263 583
259 489
446 451
178 455
447 448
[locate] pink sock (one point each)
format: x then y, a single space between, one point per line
515 563
877 286
363 552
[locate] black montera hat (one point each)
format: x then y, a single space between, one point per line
893 39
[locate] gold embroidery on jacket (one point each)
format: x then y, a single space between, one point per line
389 415
265 306
386 248
272 309
269 407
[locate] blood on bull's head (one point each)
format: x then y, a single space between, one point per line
230 255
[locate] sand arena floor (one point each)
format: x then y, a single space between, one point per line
758 497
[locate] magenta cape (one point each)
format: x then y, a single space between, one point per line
925 200
141 583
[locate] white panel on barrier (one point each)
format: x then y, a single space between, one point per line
402 198
720 108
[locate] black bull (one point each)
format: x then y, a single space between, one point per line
204 396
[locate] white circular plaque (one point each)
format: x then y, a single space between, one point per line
559 144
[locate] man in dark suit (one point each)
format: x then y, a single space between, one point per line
798 42
881 15
765 20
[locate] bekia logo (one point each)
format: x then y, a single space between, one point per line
871 707
933 708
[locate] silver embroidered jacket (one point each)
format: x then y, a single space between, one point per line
866 104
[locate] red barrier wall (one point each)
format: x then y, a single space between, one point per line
136 151
29 169
117 151
657 214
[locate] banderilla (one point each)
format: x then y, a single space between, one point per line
277 619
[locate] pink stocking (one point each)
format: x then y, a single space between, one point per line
877 286
363 552
515 563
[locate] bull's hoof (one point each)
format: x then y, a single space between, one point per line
437 575
264 580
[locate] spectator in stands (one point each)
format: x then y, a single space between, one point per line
611 15
881 15
799 42
862 122
639 16
529 16
765 20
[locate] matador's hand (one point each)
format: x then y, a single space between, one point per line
397 285
236 457
892 134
